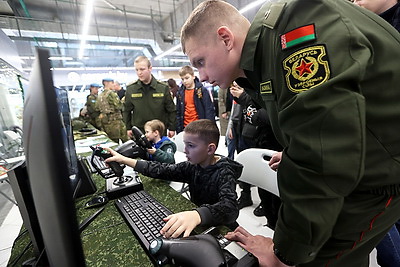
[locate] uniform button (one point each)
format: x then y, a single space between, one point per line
312 254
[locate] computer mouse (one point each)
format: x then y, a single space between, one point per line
96 202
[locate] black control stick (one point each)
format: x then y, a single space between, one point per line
197 251
104 154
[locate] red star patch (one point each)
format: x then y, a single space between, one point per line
304 67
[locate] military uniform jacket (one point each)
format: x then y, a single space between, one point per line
143 105
328 73
92 110
110 106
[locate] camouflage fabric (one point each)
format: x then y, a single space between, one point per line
93 110
110 107
108 241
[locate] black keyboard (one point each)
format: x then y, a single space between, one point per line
144 215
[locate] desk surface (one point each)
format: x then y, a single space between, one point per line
108 241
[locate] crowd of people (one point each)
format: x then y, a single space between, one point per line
315 81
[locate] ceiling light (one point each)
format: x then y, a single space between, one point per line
124 47
169 51
85 28
179 60
60 58
251 6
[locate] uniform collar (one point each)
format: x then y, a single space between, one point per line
152 84
250 43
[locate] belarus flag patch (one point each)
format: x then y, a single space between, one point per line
298 36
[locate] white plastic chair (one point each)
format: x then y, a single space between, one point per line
256 170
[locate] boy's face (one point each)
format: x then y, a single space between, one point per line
188 81
196 149
150 134
216 60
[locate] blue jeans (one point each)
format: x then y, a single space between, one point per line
388 250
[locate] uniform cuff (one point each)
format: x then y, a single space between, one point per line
292 250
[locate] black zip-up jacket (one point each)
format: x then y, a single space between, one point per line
212 189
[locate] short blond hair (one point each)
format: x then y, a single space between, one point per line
207 17
156 125
186 70
141 59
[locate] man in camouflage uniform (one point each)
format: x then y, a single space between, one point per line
148 99
91 110
110 116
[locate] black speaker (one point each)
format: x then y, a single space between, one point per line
86 184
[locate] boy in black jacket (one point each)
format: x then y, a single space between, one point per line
211 180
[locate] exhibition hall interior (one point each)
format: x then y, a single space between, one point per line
60 204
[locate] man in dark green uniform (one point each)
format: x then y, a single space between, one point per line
92 111
148 99
328 74
110 107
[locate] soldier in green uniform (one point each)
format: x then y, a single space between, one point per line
91 109
148 99
110 107
327 72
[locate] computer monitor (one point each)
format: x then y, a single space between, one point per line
44 146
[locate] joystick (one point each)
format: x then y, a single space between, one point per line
123 184
197 251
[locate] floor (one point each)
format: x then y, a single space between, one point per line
10 219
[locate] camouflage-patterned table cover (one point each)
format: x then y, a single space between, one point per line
108 241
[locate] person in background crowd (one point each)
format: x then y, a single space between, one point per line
222 110
119 90
193 100
110 107
147 99
92 110
173 88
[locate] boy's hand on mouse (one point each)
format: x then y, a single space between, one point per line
182 222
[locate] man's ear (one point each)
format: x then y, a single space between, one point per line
226 35
211 148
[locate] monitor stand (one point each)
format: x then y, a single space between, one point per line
122 186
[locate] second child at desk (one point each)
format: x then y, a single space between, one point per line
163 148
211 178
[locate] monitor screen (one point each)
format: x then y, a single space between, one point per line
47 165
68 137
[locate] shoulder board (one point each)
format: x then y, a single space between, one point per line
272 15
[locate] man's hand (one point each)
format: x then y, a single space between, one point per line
275 160
182 222
261 247
171 134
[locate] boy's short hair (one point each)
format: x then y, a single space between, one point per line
206 129
186 70
156 125
207 17
143 58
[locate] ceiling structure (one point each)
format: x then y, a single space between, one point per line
119 30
